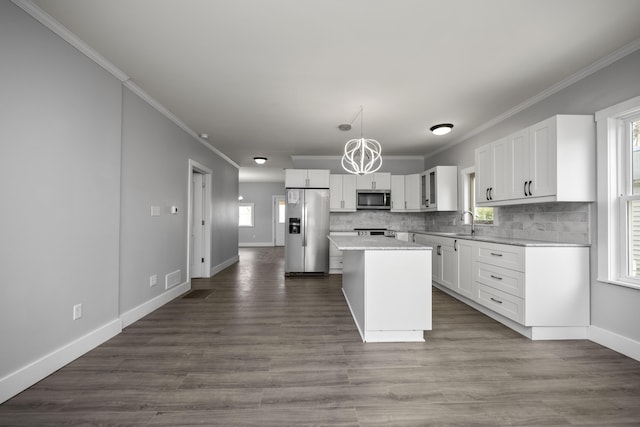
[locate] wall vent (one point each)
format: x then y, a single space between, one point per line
172 279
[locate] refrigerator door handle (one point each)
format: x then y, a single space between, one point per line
304 225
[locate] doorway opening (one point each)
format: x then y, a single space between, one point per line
278 219
199 217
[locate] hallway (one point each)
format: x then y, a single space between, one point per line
248 347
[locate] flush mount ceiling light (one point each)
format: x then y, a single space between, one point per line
204 135
361 156
441 129
260 160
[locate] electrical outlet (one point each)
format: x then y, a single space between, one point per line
153 280
77 311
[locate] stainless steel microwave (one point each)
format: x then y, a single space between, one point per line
373 199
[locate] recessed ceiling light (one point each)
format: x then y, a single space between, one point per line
441 129
204 135
260 160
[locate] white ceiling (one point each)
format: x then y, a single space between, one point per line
274 78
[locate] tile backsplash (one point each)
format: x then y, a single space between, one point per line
555 222
345 221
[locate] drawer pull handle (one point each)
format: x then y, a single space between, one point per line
495 254
496 277
496 300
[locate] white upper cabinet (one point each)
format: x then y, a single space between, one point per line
553 160
412 192
398 203
343 193
405 193
374 181
306 178
439 189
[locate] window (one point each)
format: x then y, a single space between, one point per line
483 215
245 214
618 157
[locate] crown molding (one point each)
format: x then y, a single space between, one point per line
60 30
562 84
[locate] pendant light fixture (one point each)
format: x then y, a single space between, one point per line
361 156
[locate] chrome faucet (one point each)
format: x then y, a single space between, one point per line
473 222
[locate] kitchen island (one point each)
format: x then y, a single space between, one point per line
387 286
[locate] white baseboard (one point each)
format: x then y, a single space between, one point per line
615 342
255 244
218 268
145 308
30 374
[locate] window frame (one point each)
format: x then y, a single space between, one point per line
253 214
468 198
613 171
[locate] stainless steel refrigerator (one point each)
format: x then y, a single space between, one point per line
306 246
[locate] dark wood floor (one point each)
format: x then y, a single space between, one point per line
252 348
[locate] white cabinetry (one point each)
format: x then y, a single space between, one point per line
335 254
439 189
306 178
493 179
540 291
553 160
374 181
452 262
405 193
343 193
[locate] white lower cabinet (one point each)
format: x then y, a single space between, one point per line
543 289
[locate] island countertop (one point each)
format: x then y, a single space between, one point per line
373 243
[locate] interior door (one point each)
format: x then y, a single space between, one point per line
197 225
279 219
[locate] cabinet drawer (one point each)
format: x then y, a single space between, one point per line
335 262
500 302
502 279
506 256
334 251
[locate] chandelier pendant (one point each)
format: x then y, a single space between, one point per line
361 156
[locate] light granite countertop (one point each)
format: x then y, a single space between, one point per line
501 240
373 243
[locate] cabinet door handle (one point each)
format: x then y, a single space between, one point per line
525 189
486 194
438 250
530 193
490 193
455 245
495 277
495 254
405 204
496 300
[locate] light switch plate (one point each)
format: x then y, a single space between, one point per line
155 210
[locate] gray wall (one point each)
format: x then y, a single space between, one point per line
396 165
613 308
60 187
81 162
155 168
260 194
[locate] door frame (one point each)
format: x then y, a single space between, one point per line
274 218
201 169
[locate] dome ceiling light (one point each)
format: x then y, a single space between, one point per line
260 160
441 129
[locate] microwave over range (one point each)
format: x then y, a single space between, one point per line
373 199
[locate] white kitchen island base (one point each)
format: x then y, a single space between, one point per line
387 288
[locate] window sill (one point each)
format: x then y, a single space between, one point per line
619 283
